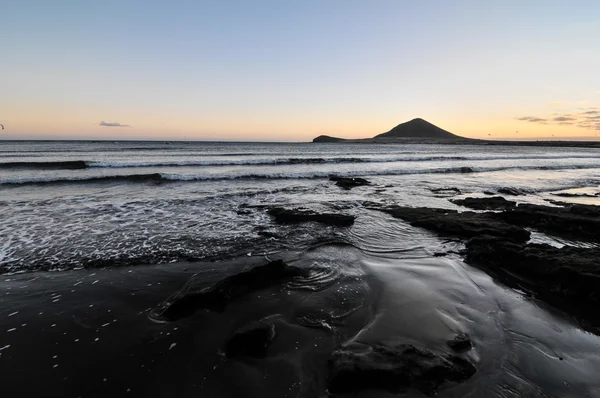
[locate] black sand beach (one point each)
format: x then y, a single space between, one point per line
466 282
115 331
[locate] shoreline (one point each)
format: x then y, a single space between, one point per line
335 140
460 142
415 305
487 288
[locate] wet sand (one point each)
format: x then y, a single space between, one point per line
87 333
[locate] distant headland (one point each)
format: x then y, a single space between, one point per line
414 130
420 131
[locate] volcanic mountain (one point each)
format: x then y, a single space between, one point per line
417 128
414 130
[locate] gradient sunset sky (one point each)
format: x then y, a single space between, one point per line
291 70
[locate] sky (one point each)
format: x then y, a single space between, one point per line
275 70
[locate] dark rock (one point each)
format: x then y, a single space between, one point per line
568 278
243 212
58 165
461 343
453 223
493 203
575 195
349 182
218 296
267 234
511 191
488 193
446 191
465 170
251 340
291 216
394 369
440 254
572 222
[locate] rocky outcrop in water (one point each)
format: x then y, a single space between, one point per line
568 278
218 296
493 203
292 216
349 182
446 191
511 191
572 222
576 195
394 369
453 223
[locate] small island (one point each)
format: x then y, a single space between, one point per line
420 131
413 131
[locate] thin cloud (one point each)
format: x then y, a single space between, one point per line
588 118
564 119
532 119
112 124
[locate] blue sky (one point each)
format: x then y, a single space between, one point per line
290 70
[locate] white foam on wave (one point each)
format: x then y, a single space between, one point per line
278 175
323 160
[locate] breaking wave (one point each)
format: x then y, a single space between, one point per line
85 164
167 177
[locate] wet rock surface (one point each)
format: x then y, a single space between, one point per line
218 296
573 221
493 203
251 340
460 343
446 191
394 369
292 216
568 278
453 223
576 195
349 182
511 191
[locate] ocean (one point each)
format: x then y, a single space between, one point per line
98 238
66 205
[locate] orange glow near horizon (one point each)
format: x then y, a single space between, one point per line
39 122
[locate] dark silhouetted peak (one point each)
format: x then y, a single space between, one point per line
417 128
327 138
